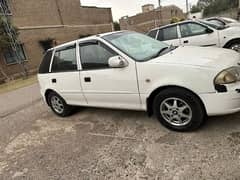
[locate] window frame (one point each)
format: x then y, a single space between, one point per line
24 53
94 41
194 34
64 47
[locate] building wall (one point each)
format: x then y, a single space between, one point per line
143 22
58 19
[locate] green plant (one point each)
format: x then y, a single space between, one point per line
175 20
116 26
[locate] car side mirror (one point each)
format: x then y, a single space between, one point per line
209 31
117 62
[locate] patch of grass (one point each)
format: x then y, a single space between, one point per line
16 84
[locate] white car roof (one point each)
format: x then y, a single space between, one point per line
169 25
86 39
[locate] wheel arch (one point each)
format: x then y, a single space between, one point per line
155 92
230 42
47 92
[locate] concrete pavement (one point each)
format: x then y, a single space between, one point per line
96 144
18 99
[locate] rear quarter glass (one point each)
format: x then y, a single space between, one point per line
44 67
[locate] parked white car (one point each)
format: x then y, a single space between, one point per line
223 21
128 70
198 33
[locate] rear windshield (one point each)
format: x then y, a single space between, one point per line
215 26
44 67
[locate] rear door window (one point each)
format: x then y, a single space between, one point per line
65 60
168 33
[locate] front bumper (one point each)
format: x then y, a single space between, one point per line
222 103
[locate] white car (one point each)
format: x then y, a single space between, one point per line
223 21
198 33
129 70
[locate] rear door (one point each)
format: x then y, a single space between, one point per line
169 35
195 34
65 75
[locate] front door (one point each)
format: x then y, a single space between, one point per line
104 86
195 34
64 77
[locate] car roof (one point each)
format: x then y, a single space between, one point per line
86 39
169 25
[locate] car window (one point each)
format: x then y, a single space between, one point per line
65 59
44 67
168 33
153 33
215 21
192 29
95 55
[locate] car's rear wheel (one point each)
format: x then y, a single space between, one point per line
58 105
179 109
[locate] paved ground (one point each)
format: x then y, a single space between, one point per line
18 99
112 144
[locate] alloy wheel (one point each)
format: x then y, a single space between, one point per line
57 104
176 111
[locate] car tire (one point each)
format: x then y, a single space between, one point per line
179 109
58 105
235 45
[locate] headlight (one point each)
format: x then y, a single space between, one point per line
228 76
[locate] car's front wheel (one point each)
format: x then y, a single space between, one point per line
179 109
235 45
58 105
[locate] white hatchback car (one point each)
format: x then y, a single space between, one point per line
129 70
198 33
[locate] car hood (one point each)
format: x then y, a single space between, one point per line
233 24
230 31
201 56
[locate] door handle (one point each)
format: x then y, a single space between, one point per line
54 80
186 41
87 79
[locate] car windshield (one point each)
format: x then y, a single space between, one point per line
213 25
229 20
138 46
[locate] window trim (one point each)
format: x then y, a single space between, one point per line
194 34
63 47
14 63
92 41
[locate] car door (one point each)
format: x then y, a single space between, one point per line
169 35
195 34
104 86
64 77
